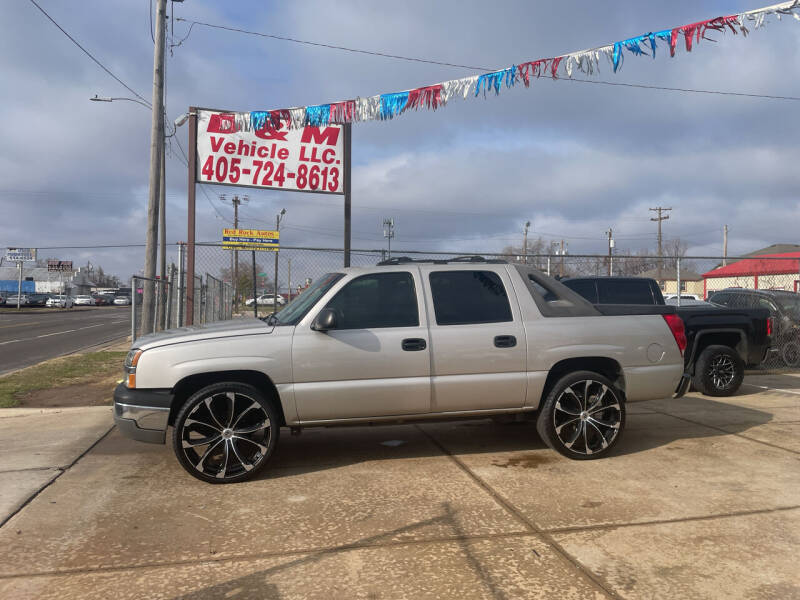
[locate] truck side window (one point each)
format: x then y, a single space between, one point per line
625 292
377 300
467 297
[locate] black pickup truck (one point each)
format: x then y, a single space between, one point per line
720 341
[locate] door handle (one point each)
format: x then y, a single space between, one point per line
505 341
414 344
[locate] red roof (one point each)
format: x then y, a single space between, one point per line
765 264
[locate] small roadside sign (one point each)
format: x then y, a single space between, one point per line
250 239
20 254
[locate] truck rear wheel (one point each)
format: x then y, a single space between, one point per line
718 372
583 416
225 433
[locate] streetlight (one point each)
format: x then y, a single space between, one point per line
108 99
278 229
161 308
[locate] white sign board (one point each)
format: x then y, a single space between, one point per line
20 254
310 159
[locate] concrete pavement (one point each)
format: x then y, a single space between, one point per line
701 500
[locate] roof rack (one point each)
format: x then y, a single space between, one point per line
403 260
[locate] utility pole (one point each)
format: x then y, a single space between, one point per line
156 145
525 241
562 252
275 286
658 219
236 202
610 234
388 232
162 233
725 246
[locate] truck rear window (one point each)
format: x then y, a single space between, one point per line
553 298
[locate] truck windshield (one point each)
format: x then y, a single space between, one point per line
293 312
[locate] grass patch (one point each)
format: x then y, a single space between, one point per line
67 370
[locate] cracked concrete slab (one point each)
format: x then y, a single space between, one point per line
742 557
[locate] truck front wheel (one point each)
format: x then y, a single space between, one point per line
718 372
225 433
582 416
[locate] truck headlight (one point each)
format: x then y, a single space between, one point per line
131 360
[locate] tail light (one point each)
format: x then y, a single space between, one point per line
675 324
769 326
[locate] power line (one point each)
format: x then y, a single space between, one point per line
202 189
472 68
89 54
329 46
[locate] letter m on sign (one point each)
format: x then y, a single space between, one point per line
315 135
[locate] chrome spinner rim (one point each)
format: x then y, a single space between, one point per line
587 417
722 371
226 435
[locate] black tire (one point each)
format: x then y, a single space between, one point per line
719 371
790 353
226 433
583 422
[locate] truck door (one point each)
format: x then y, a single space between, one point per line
478 344
376 362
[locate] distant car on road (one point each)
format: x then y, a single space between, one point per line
60 301
266 300
84 301
37 299
683 297
122 301
23 300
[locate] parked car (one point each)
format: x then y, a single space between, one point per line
37 299
361 345
84 301
783 307
266 300
721 342
12 300
2 298
683 297
122 300
60 301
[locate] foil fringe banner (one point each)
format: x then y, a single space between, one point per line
388 106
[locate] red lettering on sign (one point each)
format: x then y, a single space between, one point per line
268 132
230 148
216 143
263 152
283 153
221 123
328 155
313 135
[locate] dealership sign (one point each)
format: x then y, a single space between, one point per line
59 266
251 239
20 254
308 159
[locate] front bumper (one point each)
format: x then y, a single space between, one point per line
683 386
142 414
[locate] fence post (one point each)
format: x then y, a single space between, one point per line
678 277
181 285
133 310
170 296
548 265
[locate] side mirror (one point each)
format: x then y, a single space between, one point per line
325 320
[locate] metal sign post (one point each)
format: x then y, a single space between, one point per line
255 290
347 233
191 200
19 283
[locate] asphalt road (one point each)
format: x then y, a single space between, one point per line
29 337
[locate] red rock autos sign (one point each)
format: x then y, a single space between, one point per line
309 159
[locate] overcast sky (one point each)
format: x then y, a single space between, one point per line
573 158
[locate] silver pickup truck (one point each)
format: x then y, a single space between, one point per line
401 341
